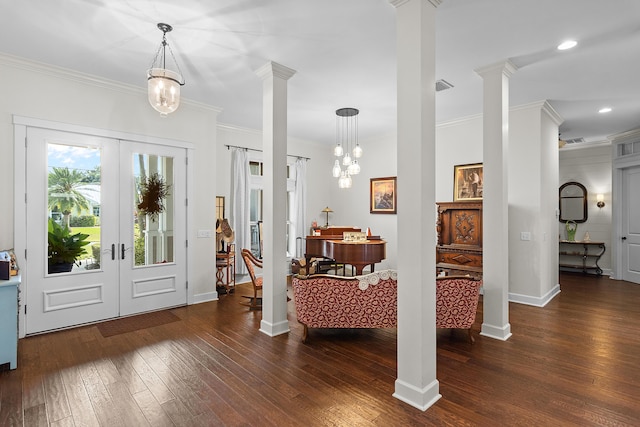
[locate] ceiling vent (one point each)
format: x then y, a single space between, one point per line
575 140
442 85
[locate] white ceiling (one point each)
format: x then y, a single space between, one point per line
344 54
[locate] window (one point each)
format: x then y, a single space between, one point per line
256 205
219 207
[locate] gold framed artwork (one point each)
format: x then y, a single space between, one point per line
467 182
383 195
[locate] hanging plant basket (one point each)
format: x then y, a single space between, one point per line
153 192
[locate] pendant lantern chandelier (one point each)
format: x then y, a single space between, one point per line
163 85
347 147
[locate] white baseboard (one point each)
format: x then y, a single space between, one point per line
205 297
535 301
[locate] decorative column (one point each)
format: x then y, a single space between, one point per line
416 383
274 146
495 218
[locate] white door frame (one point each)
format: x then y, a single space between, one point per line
621 160
20 124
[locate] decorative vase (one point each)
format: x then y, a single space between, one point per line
571 228
587 237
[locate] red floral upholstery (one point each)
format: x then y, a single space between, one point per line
457 302
324 301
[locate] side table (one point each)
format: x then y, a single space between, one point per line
226 270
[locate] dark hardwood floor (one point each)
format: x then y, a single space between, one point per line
574 362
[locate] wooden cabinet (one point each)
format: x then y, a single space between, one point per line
459 249
581 255
9 322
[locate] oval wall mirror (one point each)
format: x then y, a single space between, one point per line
573 202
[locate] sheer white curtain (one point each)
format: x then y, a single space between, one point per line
300 201
240 193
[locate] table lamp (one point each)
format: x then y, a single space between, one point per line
327 210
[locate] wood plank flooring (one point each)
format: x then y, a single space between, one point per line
574 362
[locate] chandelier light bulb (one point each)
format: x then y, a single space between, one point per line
354 168
357 151
337 151
346 160
341 181
336 169
348 181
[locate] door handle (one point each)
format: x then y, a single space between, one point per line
113 252
122 251
624 237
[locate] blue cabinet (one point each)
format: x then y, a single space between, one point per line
9 321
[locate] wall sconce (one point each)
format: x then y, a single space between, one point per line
600 199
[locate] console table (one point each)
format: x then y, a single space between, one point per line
581 255
9 322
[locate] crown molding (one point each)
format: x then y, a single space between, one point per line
87 79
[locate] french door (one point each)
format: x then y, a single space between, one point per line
125 201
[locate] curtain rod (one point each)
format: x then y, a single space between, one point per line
260 151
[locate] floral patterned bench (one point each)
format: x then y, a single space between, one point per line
326 301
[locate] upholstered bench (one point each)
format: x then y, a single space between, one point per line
326 301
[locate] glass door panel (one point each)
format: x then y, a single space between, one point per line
73 208
153 229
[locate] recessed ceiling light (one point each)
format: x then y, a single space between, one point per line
604 110
567 45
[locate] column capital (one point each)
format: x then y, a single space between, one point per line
506 67
273 69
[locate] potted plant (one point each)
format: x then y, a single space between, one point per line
64 248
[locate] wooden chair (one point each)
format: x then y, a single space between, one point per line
255 302
457 302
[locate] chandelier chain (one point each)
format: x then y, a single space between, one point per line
161 52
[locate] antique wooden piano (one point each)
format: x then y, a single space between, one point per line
330 245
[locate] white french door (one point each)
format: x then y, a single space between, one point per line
153 255
631 225
93 186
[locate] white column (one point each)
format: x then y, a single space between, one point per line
495 216
416 383
274 145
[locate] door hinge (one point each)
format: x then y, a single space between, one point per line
25 309
186 202
186 284
25 198
186 243
25 142
186 161
25 254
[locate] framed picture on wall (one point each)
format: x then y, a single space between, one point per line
382 195
467 182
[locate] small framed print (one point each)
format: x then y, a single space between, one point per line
383 195
467 182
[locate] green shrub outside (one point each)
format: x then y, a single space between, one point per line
82 221
138 245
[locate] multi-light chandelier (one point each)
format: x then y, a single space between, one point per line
346 145
163 85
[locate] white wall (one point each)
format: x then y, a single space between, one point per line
64 96
457 143
533 184
591 167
